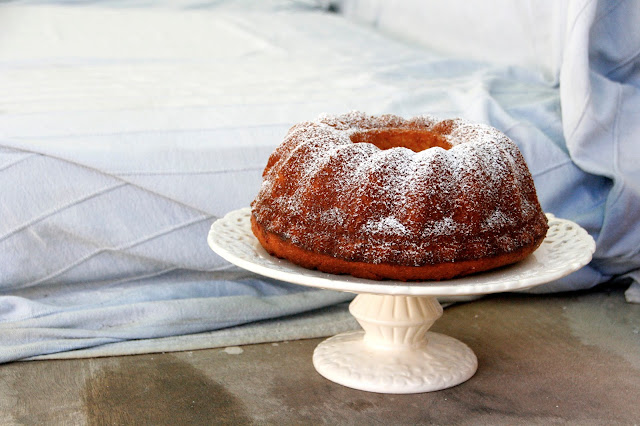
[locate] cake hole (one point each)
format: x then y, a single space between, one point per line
414 139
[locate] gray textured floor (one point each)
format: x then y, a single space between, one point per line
542 360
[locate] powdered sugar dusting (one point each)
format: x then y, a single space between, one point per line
358 202
386 225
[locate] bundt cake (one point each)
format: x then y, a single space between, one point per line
388 198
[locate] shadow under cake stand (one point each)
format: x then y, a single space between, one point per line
395 352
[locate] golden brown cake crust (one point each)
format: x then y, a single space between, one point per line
385 197
276 246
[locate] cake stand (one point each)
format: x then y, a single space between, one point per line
395 352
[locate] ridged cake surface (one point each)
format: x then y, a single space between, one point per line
387 197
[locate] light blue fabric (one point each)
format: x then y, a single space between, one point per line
600 84
173 304
120 144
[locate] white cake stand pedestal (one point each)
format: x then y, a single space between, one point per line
395 352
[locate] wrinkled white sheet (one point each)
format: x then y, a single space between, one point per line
124 132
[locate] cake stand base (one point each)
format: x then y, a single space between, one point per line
347 360
395 353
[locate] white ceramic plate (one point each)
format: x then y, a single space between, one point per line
566 248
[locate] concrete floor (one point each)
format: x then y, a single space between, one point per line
571 358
